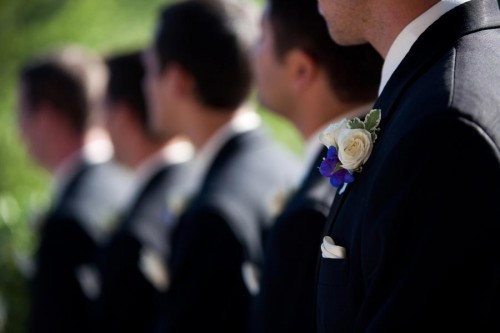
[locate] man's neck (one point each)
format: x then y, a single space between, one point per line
207 123
143 150
390 19
319 108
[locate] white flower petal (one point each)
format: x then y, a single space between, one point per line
354 147
329 137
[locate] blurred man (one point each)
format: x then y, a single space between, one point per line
200 78
56 98
133 268
305 77
416 233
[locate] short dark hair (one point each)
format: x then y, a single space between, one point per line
354 71
126 73
206 38
69 79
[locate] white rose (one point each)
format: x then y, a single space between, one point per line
355 146
329 137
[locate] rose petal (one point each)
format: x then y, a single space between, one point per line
329 136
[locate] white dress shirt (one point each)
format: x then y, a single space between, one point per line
409 35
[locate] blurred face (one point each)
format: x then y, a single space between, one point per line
345 19
31 127
160 97
116 126
270 72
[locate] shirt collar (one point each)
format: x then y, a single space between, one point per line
409 35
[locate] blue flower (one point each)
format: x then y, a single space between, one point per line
327 167
330 168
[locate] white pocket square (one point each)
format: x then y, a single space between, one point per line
330 250
251 276
152 266
89 279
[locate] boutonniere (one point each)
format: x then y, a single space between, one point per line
153 267
349 143
174 208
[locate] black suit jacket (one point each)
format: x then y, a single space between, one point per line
420 224
287 296
129 297
221 231
58 303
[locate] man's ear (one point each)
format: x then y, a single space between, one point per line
301 69
177 81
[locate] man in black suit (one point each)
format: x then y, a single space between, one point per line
134 274
199 70
56 97
304 76
412 242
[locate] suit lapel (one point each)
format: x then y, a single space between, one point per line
227 152
63 200
71 188
313 174
337 203
154 180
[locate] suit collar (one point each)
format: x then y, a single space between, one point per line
410 34
155 179
244 121
313 174
71 184
232 146
433 43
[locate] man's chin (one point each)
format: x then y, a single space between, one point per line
343 40
158 132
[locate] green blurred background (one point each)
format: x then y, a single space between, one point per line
28 27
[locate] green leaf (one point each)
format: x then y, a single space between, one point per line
338 167
372 120
356 123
